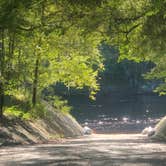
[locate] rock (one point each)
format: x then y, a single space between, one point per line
160 130
63 123
149 131
87 130
54 126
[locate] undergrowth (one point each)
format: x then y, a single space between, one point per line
19 106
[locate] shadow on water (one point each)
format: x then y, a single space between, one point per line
118 113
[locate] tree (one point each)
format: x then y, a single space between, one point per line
45 42
29 34
8 21
145 40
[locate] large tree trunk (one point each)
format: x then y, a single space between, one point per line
35 82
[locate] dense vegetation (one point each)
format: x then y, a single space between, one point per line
44 42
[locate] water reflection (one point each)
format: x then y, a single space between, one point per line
115 125
121 114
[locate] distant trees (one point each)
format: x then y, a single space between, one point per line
123 74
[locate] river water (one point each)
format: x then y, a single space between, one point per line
118 113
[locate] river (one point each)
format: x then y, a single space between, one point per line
118 113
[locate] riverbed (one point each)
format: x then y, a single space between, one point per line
92 150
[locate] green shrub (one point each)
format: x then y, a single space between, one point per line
61 105
15 111
39 111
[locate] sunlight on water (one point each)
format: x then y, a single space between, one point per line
119 125
127 115
125 119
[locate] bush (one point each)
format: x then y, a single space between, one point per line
59 103
15 111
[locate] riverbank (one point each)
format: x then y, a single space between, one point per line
53 127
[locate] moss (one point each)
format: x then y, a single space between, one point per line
56 136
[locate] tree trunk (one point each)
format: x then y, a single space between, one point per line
1 100
36 71
2 54
35 82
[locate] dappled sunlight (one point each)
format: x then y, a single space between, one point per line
79 82
95 149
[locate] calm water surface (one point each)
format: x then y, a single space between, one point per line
120 113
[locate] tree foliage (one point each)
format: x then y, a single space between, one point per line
146 40
43 42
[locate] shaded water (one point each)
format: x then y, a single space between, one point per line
118 113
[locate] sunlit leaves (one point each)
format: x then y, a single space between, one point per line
75 60
64 36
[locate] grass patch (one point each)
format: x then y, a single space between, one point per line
16 111
18 105
26 112
56 136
